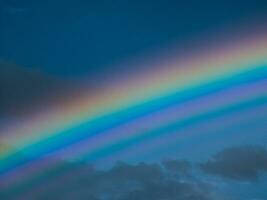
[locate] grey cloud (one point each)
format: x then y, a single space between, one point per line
177 167
23 90
141 173
167 180
122 182
244 163
15 10
169 190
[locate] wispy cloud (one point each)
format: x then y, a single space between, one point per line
12 10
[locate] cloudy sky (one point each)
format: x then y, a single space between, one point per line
133 100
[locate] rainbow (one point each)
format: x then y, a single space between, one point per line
176 94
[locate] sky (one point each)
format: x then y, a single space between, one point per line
127 100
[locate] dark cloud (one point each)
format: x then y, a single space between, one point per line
244 163
169 190
177 167
14 10
23 90
122 182
167 180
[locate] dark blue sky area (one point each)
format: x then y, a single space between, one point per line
73 38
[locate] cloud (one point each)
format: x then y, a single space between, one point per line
166 180
244 163
177 167
15 10
122 182
142 181
169 190
23 90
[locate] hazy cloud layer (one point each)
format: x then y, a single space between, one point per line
244 163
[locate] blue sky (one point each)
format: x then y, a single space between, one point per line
74 38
